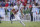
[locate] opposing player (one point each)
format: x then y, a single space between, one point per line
17 11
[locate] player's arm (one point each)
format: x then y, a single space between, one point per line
22 12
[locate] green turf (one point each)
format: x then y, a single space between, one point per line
17 24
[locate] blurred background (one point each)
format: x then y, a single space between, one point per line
7 5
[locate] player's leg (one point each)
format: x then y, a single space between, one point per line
22 23
33 17
18 18
0 19
11 18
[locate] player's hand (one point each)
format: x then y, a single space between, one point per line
23 16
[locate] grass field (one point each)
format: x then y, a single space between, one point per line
17 24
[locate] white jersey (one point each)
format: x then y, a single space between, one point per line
2 12
18 8
18 13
